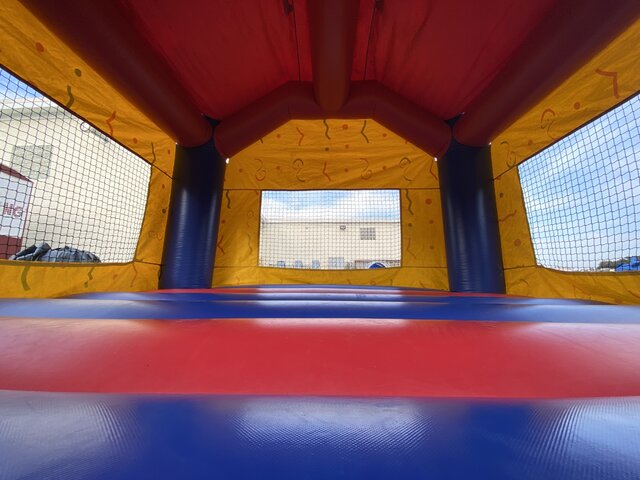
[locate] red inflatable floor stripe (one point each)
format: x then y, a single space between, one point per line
321 357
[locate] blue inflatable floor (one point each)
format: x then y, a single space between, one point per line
111 437
318 383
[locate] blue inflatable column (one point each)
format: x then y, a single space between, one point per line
472 238
192 227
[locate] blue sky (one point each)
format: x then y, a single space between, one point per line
582 194
11 87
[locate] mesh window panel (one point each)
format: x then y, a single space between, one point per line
582 195
63 182
330 229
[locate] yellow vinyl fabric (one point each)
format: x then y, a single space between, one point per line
607 80
32 52
329 155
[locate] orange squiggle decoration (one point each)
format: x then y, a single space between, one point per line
324 171
219 242
109 120
508 216
366 172
549 121
261 173
614 80
298 163
404 164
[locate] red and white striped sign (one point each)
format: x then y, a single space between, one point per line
15 194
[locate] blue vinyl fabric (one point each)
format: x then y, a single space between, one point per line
97 436
633 265
192 228
364 295
299 305
470 218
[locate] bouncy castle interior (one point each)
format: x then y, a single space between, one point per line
247 239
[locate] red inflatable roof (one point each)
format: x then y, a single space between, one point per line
410 64
438 53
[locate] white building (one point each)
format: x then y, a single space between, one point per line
329 245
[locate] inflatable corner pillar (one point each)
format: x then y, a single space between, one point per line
192 228
474 258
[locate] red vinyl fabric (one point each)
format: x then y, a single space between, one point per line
562 42
104 35
295 100
227 54
250 63
332 28
339 356
438 54
320 340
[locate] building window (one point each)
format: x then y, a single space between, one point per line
367 233
64 183
32 161
325 229
582 195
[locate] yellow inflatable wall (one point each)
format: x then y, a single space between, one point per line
607 80
32 52
332 154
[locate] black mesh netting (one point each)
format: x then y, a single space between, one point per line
330 229
64 183
582 195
